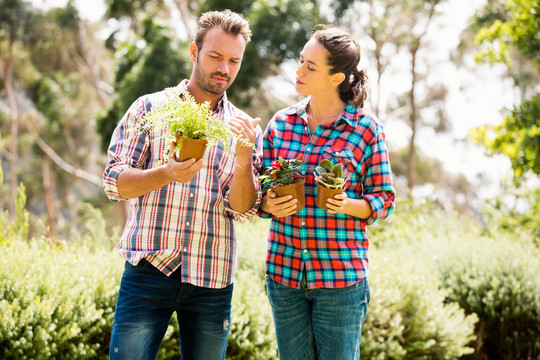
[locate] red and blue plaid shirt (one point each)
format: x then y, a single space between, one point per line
189 224
332 247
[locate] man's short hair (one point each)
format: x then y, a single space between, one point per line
229 21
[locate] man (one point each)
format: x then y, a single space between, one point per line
179 241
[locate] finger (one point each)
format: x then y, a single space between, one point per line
171 150
271 193
281 200
186 163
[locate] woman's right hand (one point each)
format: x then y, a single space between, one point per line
278 206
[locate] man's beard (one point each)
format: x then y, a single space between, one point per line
203 80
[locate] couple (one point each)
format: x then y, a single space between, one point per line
179 241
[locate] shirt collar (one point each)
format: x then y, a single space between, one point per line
350 113
221 103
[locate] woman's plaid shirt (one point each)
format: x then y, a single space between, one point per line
187 224
332 247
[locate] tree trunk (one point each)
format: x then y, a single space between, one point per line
413 120
50 196
14 133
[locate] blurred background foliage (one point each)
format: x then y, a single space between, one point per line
66 81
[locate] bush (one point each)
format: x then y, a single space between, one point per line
55 303
499 281
252 335
408 317
485 268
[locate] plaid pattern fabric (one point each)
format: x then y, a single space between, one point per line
332 247
187 224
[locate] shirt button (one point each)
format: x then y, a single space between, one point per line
187 223
305 251
308 149
303 223
303 173
190 194
185 249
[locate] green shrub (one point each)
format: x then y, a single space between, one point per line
252 335
499 280
485 268
56 303
407 316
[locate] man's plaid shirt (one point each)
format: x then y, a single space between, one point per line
187 224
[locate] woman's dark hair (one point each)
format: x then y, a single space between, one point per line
344 56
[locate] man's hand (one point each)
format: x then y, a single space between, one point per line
246 128
181 171
278 206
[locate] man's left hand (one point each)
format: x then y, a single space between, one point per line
246 128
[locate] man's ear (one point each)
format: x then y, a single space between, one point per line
193 51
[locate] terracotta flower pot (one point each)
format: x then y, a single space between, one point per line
296 190
191 148
323 193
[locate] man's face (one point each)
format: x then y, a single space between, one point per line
218 61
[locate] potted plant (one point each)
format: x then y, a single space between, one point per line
192 125
330 181
283 177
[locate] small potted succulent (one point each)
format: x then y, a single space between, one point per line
283 177
330 181
191 125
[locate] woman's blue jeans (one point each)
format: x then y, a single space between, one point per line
146 302
322 324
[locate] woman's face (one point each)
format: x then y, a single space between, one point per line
312 73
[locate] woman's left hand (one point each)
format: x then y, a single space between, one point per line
338 203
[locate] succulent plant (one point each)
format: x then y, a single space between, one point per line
330 175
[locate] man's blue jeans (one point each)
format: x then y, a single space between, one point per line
322 324
146 302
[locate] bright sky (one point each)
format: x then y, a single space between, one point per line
474 99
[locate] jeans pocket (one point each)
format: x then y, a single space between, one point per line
142 266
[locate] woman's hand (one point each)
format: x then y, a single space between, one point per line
338 203
278 206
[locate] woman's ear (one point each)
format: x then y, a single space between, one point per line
338 78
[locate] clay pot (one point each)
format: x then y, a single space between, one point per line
323 193
191 148
296 190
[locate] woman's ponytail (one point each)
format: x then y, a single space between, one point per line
353 88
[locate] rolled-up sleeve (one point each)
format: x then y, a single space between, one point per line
378 186
257 163
128 148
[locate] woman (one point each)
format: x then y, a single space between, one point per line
317 261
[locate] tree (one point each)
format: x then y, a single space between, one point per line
398 28
270 46
512 39
14 18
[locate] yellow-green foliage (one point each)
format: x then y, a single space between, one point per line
56 303
433 276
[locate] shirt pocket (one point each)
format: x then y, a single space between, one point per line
351 167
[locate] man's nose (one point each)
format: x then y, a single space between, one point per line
223 67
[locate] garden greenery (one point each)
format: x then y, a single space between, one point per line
442 288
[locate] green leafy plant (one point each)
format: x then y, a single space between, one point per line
330 175
282 172
183 118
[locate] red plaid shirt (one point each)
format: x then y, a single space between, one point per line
332 247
